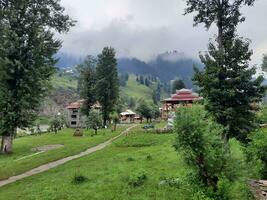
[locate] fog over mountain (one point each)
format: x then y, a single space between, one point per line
144 29
166 66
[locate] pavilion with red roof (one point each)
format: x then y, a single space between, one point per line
180 98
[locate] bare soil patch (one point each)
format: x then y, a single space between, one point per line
48 147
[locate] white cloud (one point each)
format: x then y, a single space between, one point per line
143 28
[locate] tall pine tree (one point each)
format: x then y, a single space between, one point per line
107 87
86 83
27 46
226 82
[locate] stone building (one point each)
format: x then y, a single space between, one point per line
75 117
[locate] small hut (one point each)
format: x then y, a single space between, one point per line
127 116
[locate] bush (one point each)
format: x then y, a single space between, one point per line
78 179
137 179
199 142
149 157
78 133
256 152
129 159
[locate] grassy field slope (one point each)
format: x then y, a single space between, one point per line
24 158
114 173
136 90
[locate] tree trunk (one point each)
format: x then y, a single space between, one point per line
115 126
6 145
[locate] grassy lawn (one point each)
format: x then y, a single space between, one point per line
111 172
24 158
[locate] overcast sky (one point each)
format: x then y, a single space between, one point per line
144 28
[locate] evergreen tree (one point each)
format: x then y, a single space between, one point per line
154 97
86 83
177 85
107 87
264 63
27 46
226 82
158 92
141 80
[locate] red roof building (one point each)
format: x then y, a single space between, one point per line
181 97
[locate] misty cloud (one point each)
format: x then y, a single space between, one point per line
146 28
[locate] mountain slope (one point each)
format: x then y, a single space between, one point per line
136 90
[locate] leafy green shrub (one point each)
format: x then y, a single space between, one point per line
261 116
78 179
149 157
78 133
137 179
129 159
199 142
257 152
94 121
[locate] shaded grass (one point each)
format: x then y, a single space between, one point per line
23 158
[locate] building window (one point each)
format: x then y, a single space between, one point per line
73 116
75 111
73 123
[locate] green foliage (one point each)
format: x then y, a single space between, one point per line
86 83
78 179
262 115
94 121
129 159
114 116
177 85
27 46
230 92
149 157
137 179
257 151
198 139
145 110
107 87
57 124
171 182
264 63
123 78
226 82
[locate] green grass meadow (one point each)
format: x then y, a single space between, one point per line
108 173
24 158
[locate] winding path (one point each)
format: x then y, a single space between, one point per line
56 163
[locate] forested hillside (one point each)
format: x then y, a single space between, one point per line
167 66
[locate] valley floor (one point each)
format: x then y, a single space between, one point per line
110 173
